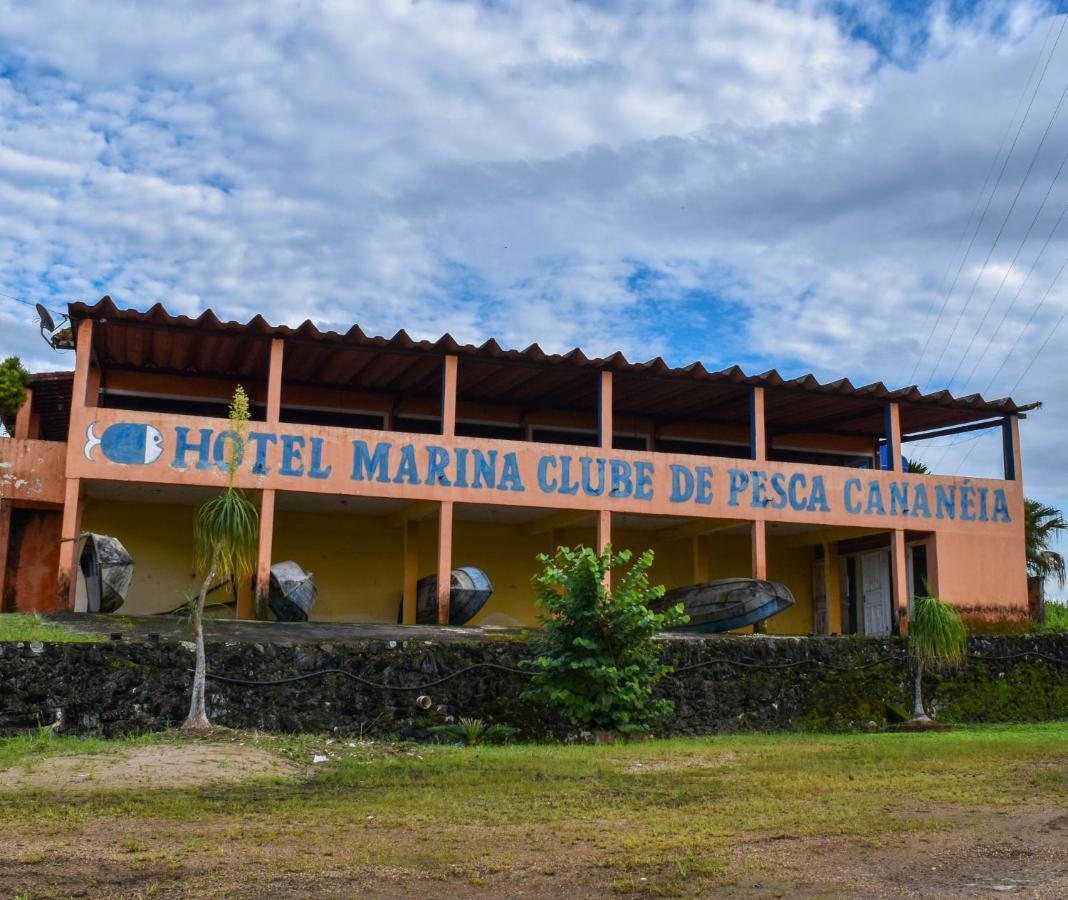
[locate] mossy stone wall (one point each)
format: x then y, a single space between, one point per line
721 683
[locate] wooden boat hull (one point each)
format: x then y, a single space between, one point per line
292 592
715 606
470 588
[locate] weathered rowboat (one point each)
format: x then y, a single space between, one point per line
728 603
292 592
108 571
470 588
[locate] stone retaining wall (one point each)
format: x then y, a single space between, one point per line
723 683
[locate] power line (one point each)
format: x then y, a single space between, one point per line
997 183
1019 292
1001 229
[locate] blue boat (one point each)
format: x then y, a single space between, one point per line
728 603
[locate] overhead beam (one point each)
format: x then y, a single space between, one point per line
420 509
686 530
826 536
562 519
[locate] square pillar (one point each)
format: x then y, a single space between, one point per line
444 560
758 435
759 543
899 578
832 588
604 411
258 608
5 538
67 582
448 396
411 571
893 437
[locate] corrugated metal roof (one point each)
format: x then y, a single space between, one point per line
205 345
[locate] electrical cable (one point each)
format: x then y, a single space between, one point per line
1001 229
997 183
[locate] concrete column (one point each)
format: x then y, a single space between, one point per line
899 578
258 608
604 529
444 560
23 418
893 437
831 587
759 543
759 546
448 396
67 571
5 538
267 495
604 411
411 570
758 434
67 582
700 559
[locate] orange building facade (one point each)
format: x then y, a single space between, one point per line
377 461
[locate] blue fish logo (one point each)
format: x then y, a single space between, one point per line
126 442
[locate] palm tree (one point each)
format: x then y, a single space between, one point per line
919 468
1041 525
225 536
937 641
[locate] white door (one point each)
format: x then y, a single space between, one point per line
819 599
875 581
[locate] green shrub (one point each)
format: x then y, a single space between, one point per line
1056 616
14 380
471 732
597 663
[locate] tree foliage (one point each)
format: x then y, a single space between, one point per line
597 663
225 537
938 641
14 380
1042 524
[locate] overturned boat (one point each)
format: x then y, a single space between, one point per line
108 571
292 592
727 603
470 588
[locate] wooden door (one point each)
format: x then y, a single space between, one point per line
875 588
819 599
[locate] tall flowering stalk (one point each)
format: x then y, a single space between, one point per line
225 536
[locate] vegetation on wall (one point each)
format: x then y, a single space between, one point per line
225 533
1055 617
597 663
14 381
1042 525
937 641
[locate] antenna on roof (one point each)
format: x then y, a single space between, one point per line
59 337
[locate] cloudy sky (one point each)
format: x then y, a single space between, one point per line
861 189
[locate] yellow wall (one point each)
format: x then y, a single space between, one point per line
159 537
358 561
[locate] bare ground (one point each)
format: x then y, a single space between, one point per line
1019 851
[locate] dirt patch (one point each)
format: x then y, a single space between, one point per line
641 767
153 765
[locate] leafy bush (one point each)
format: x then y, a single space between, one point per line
597 662
14 380
1056 616
471 732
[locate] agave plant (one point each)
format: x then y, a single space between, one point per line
225 538
937 641
470 732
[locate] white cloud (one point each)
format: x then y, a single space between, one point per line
511 169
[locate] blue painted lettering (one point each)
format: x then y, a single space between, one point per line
1001 507
736 483
643 481
852 504
182 446
704 485
367 466
510 480
261 439
945 502
622 485
437 461
292 457
682 483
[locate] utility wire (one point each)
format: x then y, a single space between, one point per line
1008 270
1012 304
1001 229
997 183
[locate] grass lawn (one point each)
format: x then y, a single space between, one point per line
971 811
20 627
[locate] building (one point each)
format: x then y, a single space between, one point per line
376 461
